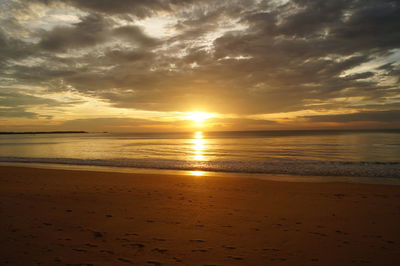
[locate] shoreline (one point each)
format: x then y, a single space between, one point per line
261 176
69 217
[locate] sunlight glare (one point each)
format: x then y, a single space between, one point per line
198 146
197 173
198 135
198 117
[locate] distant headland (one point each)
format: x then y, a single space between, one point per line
44 132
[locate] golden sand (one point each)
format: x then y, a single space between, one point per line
63 217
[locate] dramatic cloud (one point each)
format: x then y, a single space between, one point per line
337 59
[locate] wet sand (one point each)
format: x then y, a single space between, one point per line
63 217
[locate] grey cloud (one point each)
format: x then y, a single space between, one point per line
9 98
12 48
363 75
392 70
16 112
136 35
288 56
138 8
90 31
373 116
126 56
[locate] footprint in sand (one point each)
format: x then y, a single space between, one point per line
341 232
79 250
228 247
154 262
199 250
158 239
361 261
131 234
125 260
160 250
80 264
197 240
137 245
107 251
270 249
318 234
235 258
339 195
97 234
177 259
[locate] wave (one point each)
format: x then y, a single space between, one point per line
295 167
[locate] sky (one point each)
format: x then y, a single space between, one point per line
178 65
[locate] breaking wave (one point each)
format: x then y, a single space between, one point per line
295 167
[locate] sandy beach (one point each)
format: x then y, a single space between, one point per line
64 217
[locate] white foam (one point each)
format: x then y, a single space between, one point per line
295 167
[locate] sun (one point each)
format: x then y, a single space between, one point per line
198 117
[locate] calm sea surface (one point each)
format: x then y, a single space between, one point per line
319 153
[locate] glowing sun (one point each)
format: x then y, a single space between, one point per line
198 117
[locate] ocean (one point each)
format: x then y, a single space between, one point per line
369 154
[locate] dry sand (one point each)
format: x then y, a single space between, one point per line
61 217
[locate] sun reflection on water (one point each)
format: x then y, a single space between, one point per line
198 151
197 173
199 146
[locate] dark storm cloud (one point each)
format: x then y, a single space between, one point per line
372 116
283 57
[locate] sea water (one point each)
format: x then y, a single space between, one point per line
307 153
